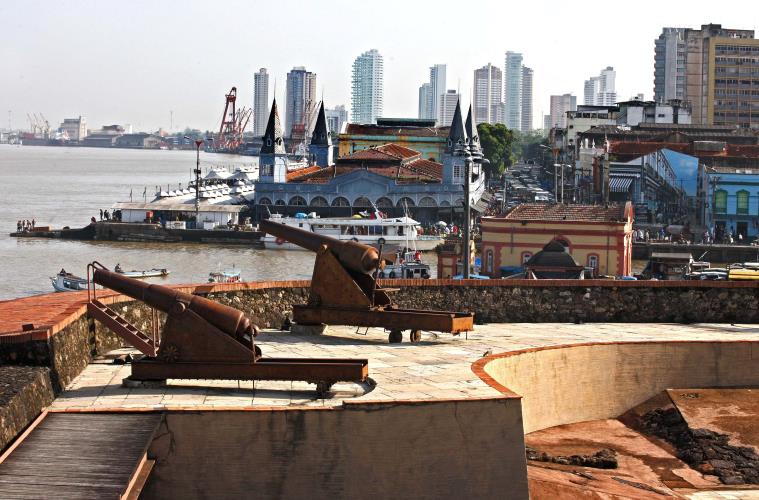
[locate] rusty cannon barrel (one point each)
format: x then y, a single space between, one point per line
225 318
352 254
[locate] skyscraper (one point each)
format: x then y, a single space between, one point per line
526 118
488 92
425 101
335 118
512 97
600 90
447 106
301 100
669 65
260 101
367 87
437 88
560 104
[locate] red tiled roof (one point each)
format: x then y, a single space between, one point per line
561 212
398 151
427 167
301 172
384 152
416 171
634 149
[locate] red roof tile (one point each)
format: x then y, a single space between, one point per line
561 212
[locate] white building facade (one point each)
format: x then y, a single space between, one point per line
260 101
512 95
488 91
601 90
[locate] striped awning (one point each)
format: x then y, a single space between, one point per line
620 184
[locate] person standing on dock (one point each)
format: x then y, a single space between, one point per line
101 214
18 226
33 224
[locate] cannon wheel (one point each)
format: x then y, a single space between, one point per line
322 388
415 335
395 337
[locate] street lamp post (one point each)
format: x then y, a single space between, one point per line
198 143
467 217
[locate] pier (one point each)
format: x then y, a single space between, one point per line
713 253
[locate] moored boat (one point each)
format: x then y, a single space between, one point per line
67 282
225 276
149 273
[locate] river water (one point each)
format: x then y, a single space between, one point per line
60 186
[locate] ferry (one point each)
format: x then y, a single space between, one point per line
67 282
378 230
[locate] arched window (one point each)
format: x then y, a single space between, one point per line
741 198
445 204
427 201
459 202
264 201
340 202
298 201
319 201
384 202
489 261
593 261
362 202
525 257
720 201
280 202
406 202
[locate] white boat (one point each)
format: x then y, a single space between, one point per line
67 282
149 273
225 276
392 231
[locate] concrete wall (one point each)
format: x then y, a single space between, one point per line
462 449
566 384
24 392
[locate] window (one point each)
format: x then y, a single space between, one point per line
489 261
458 173
525 257
741 202
720 201
593 261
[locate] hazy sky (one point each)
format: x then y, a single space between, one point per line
131 62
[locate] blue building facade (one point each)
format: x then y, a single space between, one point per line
732 201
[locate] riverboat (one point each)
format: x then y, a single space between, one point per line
67 282
376 230
407 266
225 276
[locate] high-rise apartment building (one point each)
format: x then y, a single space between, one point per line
600 90
488 91
560 104
425 101
367 92
437 89
260 101
447 107
512 95
721 69
300 100
526 118
669 65
335 118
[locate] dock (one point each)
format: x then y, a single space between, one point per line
713 253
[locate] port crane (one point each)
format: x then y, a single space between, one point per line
233 123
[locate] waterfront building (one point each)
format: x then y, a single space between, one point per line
425 102
419 135
600 90
260 102
512 97
560 105
731 196
526 113
273 161
488 93
367 87
300 101
669 65
321 141
596 236
391 176
75 128
447 106
336 118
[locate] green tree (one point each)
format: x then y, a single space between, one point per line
526 145
496 141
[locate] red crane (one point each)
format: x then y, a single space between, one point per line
233 123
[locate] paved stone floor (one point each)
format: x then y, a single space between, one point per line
438 367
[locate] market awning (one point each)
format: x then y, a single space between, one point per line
480 206
620 184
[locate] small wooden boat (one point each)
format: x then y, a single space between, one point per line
149 273
225 276
67 282
748 271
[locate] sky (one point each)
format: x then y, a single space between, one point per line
135 62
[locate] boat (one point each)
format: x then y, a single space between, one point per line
747 271
149 273
225 276
67 282
372 229
407 266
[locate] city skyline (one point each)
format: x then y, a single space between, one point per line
42 75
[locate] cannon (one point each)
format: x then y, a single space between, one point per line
345 291
202 339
